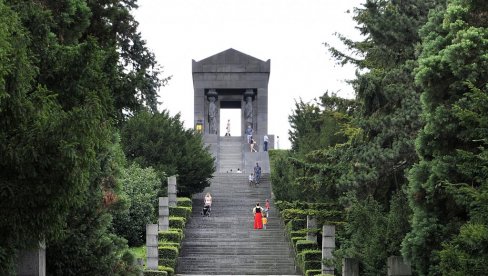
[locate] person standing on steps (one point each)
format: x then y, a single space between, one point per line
266 141
227 128
266 207
249 133
252 144
257 173
251 179
258 217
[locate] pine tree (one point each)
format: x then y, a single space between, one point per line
448 185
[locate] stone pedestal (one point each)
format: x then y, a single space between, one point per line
172 191
398 267
32 262
152 246
163 219
350 267
311 225
328 246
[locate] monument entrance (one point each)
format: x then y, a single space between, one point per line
231 79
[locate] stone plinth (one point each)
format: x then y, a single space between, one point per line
32 262
350 267
172 191
311 226
398 267
163 219
152 246
328 246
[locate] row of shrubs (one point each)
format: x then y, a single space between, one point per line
308 254
169 242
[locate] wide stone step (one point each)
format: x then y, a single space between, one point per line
226 243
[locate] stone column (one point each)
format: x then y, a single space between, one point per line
328 246
350 267
163 220
398 267
32 262
152 246
172 191
311 225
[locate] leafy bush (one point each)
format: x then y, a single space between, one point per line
168 270
140 187
296 239
311 255
155 273
312 265
167 262
167 243
299 233
171 236
296 224
167 252
184 202
305 244
313 272
177 222
180 211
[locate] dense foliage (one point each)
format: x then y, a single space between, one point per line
159 140
415 133
141 187
70 73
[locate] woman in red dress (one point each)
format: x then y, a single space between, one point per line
258 217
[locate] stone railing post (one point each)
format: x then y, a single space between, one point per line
328 246
172 191
32 262
350 267
311 225
163 220
398 267
152 246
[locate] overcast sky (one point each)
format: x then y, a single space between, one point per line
290 33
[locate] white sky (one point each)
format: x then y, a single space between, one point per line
289 32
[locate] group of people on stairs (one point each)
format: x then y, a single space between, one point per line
261 215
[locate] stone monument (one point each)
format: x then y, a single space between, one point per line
234 80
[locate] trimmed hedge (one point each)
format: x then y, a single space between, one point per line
180 211
167 243
302 245
296 239
298 233
312 265
183 202
167 252
168 270
296 224
155 273
177 222
313 272
311 255
168 262
172 235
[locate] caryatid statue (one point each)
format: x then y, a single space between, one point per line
248 107
212 112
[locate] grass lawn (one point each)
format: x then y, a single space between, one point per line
139 252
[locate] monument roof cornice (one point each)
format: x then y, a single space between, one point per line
231 61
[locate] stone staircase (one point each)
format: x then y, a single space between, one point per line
230 154
226 243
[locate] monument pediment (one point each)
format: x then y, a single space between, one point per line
231 60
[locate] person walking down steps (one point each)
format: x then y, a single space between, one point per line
258 217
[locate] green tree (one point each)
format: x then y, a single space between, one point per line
141 187
60 95
160 141
448 185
